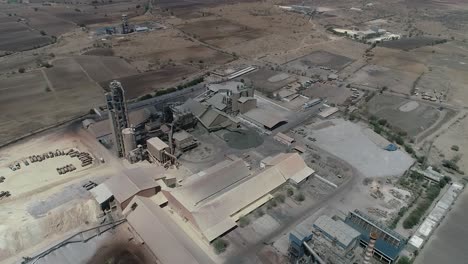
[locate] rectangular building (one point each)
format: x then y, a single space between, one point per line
389 243
156 148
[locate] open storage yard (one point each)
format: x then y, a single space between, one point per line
351 143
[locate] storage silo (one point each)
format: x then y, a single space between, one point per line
129 140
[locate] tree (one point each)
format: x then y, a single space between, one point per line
220 245
21 70
244 221
404 260
409 149
399 140
299 197
280 198
382 122
35 9
289 192
455 148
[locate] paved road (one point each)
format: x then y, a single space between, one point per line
249 254
448 244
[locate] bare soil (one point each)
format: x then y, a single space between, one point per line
144 83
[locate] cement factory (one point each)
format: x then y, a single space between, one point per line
246 132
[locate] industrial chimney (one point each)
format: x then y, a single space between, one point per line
370 248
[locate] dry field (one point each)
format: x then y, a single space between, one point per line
16 36
378 77
254 29
30 101
158 48
144 83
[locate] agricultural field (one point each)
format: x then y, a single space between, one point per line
320 59
379 77
404 115
148 82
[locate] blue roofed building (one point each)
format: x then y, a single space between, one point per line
389 244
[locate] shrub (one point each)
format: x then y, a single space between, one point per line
220 245
382 122
299 197
42 33
145 97
399 140
260 212
455 148
280 198
21 70
409 149
404 260
450 164
273 203
289 192
244 221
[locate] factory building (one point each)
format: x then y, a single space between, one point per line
225 96
209 116
265 119
246 104
184 141
123 187
158 149
152 224
284 139
213 200
337 233
388 244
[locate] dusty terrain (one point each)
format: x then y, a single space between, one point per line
56 64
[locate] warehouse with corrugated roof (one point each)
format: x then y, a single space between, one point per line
214 200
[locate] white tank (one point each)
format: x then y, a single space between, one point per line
129 141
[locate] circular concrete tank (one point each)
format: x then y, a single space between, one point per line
129 141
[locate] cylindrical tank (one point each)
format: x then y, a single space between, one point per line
129 140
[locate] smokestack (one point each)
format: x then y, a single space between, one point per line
370 248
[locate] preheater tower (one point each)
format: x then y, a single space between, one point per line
118 114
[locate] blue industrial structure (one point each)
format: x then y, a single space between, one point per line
389 243
296 239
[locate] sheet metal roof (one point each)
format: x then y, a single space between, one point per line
157 143
125 186
342 232
245 99
206 183
181 135
215 196
328 112
146 219
226 86
265 118
101 193
416 241
217 101
290 164
193 106
426 228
